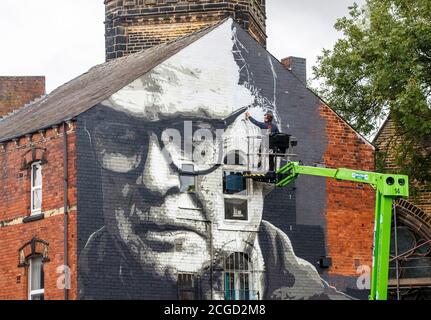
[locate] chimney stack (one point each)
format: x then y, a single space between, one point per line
15 92
298 66
134 25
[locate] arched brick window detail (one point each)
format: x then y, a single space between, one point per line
410 262
32 156
238 276
33 249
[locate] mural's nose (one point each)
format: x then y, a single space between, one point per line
158 175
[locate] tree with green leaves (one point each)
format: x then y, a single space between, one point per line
382 66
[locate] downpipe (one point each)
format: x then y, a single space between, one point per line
66 212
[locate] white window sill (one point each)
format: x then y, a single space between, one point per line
34 217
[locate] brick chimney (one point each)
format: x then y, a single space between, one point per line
15 92
298 66
134 25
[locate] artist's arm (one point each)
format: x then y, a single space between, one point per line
261 125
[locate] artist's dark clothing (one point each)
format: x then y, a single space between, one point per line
265 125
274 129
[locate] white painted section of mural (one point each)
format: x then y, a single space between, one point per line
202 79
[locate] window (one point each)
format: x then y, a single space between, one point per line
36 188
236 209
36 279
187 178
235 190
234 183
235 158
186 287
238 277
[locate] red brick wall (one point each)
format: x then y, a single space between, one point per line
15 92
15 205
350 206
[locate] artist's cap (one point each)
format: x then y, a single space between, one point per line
269 113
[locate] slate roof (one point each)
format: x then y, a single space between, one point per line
84 92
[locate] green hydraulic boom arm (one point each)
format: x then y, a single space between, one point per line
388 187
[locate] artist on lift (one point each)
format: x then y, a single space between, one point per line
267 124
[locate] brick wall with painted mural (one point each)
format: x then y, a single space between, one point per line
163 211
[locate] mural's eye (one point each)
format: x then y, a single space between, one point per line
114 142
192 140
114 131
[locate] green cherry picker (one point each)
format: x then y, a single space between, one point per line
388 188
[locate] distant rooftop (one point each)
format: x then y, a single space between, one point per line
15 92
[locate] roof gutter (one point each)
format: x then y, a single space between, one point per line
10 138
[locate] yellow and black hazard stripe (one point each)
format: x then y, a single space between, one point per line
254 175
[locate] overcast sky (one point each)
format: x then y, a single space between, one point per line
61 39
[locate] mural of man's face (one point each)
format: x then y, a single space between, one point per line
162 182
163 126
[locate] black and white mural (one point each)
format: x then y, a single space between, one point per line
164 212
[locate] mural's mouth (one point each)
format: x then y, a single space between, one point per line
159 230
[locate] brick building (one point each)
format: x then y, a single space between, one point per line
117 174
410 274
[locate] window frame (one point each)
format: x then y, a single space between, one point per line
239 198
235 275
245 197
34 188
36 292
184 289
188 174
